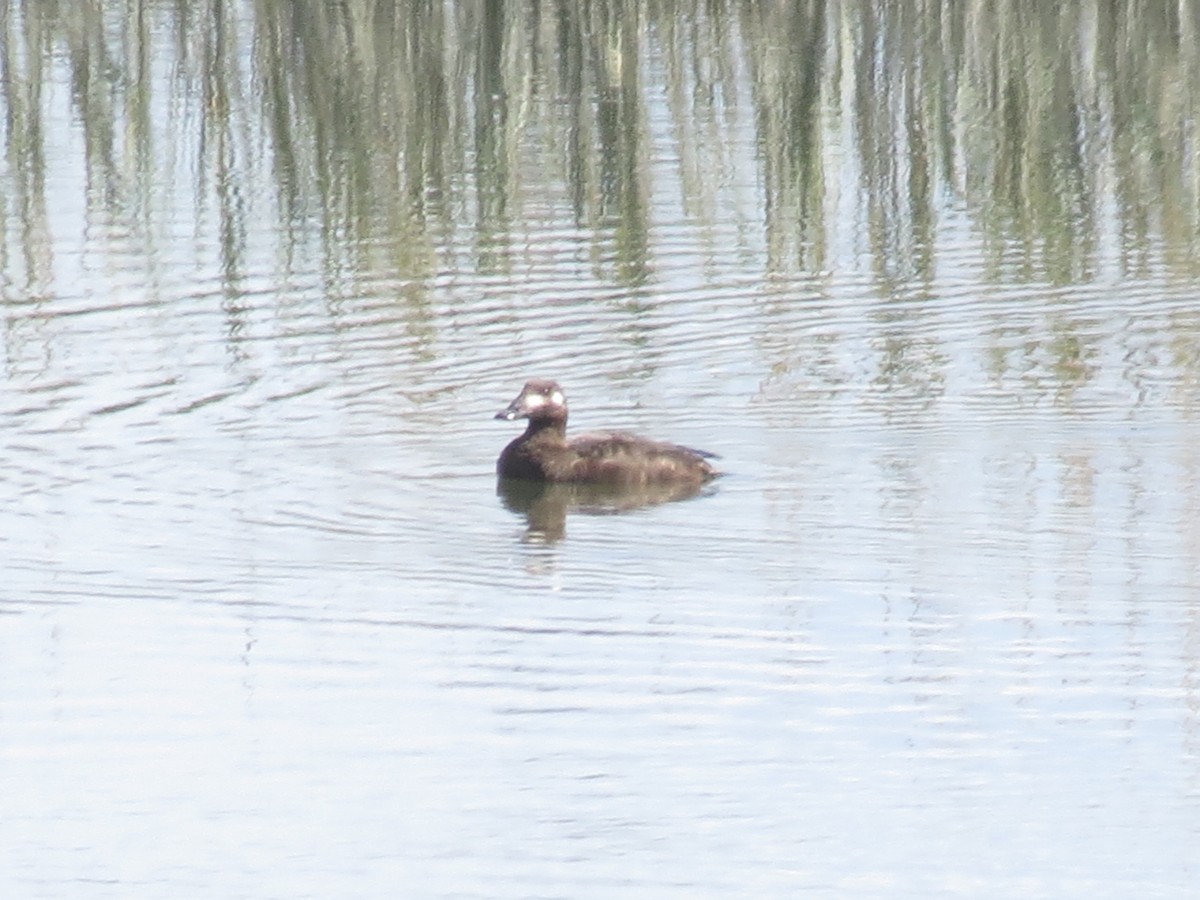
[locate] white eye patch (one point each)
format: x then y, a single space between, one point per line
534 401
557 398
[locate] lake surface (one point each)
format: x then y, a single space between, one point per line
926 280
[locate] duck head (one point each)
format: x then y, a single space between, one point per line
539 399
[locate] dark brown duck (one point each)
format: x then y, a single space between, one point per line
543 452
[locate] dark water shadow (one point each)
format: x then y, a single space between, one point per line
546 506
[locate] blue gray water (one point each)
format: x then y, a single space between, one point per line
269 631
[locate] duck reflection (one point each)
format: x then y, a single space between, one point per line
546 505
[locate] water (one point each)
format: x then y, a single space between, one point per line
270 630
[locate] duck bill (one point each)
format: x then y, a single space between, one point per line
510 412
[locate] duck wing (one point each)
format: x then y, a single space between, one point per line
619 456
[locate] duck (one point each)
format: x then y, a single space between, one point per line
544 454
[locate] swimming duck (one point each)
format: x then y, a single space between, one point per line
543 452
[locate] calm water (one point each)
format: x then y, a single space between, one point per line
268 629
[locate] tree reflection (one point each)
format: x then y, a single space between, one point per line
401 132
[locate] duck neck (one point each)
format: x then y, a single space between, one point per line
547 428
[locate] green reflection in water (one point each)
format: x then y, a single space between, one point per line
408 136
